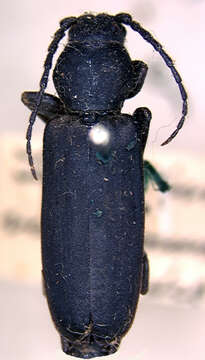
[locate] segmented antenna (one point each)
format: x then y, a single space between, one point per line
127 20
59 34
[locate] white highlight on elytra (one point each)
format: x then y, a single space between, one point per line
99 135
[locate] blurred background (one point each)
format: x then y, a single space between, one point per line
169 323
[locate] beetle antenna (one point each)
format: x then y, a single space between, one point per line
127 20
59 34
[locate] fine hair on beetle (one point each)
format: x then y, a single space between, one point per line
94 265
85 23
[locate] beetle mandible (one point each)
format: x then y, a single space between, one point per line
94 264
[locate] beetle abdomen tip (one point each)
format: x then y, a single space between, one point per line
89 347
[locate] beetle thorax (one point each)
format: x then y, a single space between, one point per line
93 76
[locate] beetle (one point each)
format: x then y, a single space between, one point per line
92 222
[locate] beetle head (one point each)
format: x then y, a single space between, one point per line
92 28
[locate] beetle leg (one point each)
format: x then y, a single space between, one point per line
142 117
50 107
43 284
140 72
145 275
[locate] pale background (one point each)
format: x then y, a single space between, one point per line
168 325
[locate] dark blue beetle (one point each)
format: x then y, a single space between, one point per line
94 264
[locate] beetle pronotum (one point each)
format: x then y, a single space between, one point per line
94 264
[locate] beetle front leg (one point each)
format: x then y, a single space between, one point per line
50 107
140 72
145 275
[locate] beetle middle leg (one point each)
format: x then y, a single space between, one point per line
145 275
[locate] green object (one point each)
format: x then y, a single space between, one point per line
98 213
103 157
152 175
131 145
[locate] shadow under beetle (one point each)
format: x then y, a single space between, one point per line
92 225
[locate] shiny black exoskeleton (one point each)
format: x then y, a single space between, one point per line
94 264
